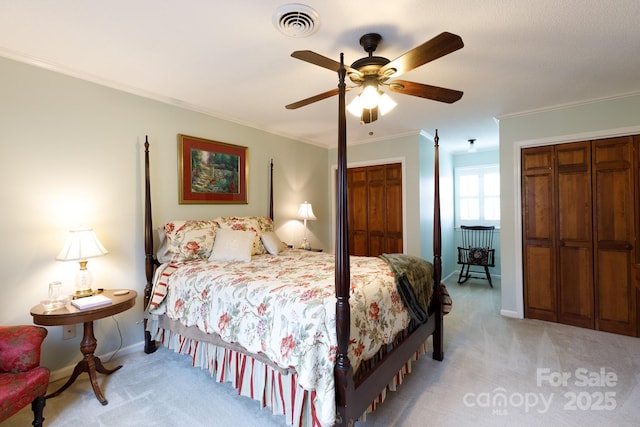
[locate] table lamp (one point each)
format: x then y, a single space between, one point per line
81 244
305 212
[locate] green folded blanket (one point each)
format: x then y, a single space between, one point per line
414 281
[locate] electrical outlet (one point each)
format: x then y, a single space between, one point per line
68 332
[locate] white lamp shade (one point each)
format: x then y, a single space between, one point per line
370 96
382 101
355 107
306 211
386 104
81 243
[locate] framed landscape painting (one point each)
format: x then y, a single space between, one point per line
211 171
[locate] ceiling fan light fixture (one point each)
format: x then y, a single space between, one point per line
355 107
369 115
386 104
370 96
472 148
296 20
379 99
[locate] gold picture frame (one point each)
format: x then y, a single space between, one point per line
211 171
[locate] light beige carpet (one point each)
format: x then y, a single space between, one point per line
497 372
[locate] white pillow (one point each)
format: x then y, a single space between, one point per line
272 242
163 254
232 245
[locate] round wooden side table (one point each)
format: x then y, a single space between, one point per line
70 315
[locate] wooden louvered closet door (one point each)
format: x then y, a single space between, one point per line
375 209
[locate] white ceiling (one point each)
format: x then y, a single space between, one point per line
226 58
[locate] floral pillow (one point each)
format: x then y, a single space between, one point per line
190 240
479 256
266 224
254 224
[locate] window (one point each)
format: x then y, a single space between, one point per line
477 195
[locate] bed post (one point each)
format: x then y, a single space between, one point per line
438 334
149 263
271 189
343 370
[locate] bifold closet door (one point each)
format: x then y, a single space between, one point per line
538 224
375 209
358 202
574 234
581 265
614 234
387 185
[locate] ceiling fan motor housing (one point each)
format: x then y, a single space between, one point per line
369 65
370 42
369 68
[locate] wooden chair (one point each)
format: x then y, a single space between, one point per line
476 251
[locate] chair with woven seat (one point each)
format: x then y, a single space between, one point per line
22 379
476 251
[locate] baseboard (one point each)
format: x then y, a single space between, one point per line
456 273
453 273
65 372
510 313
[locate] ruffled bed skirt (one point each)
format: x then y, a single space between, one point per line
271 387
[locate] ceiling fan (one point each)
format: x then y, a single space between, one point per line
371 72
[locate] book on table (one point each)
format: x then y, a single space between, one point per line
91 302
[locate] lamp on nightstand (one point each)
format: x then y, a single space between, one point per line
305 212
82 244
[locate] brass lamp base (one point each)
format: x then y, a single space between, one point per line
83 293
305 244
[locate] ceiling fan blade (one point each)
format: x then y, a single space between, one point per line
322 61
425 91
312 99
439 46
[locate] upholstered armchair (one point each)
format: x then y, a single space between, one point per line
22 379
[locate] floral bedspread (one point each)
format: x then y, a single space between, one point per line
284 307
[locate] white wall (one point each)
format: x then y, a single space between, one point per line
73 153
590 120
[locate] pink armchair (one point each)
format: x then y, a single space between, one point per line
22 379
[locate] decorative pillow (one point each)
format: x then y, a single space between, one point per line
245 223
272 242
266 224
232 245
163 254
190 240
478 256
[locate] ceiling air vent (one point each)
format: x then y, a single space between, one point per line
296 20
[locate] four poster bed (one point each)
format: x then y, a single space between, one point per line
316 337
